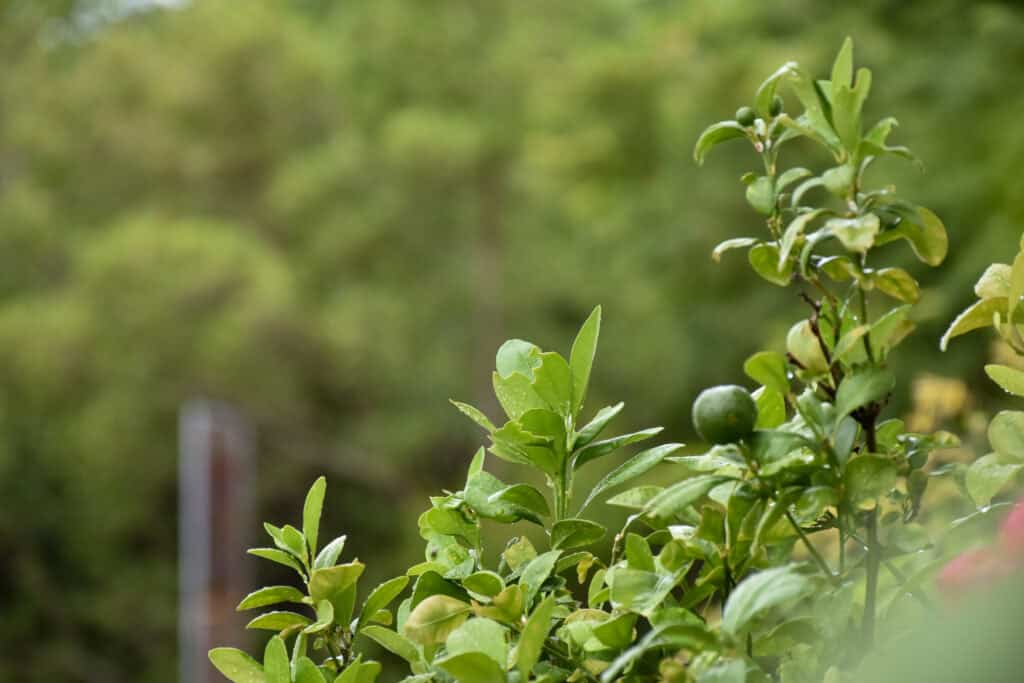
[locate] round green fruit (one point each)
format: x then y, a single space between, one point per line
724 414
776 107
745 116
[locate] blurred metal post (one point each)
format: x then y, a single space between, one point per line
214 519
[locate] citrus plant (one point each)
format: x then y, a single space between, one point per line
774 555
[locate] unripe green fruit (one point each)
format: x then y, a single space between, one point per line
745 116
724 414
776 107
803 345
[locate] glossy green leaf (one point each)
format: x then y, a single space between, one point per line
434 619
636 466
861 388
793 232
681 495
987 476
330 553
278 621
553 383
275 661
735 243
771 408
1006 434
472 667
867 478
1016 289
924 231
1010 379
522 497
338 586
599 449
311 512
897 283
768 368
856 234
838 180
382 596
531 640
761 195
757 594
359 672
994 282
581 358
536 572
575 533
324 618
764 259
270 595
475 415
766 91
714 135
485 583
480 635
594 428
307 672
278 556
977 315
237 666
393 642
635 498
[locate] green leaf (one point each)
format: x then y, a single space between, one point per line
553 383
518 553
771 408
393 642
635 498
307 672
275 661
472 667
987 476
506 606
483 494
382 596
761 195
311 512
897 283
681 495
359 672
516 394
1010 379
636 466
766 91
1016 289
790 176
924 231
531 640
517 356
861 388
278 621
434 619
270 595
599 449
475 415
764 259
1006 434
727 671
279 556
766 590
324 618
330 553
338 586
842 67
716 134
838 179
594 428
768 368
856 234
793 232
735 243
575 533
867 478
616 632
480 635
237 666
977 315
994 282
581 358
536 573
522 497
484 583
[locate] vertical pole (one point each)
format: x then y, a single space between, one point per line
215 512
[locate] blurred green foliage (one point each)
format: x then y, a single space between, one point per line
331 213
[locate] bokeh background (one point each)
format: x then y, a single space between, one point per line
330 214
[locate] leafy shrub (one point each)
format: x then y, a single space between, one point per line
772 556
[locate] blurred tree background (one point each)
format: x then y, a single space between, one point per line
331 213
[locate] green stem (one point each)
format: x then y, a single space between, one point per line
864 317
811 549
871 590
